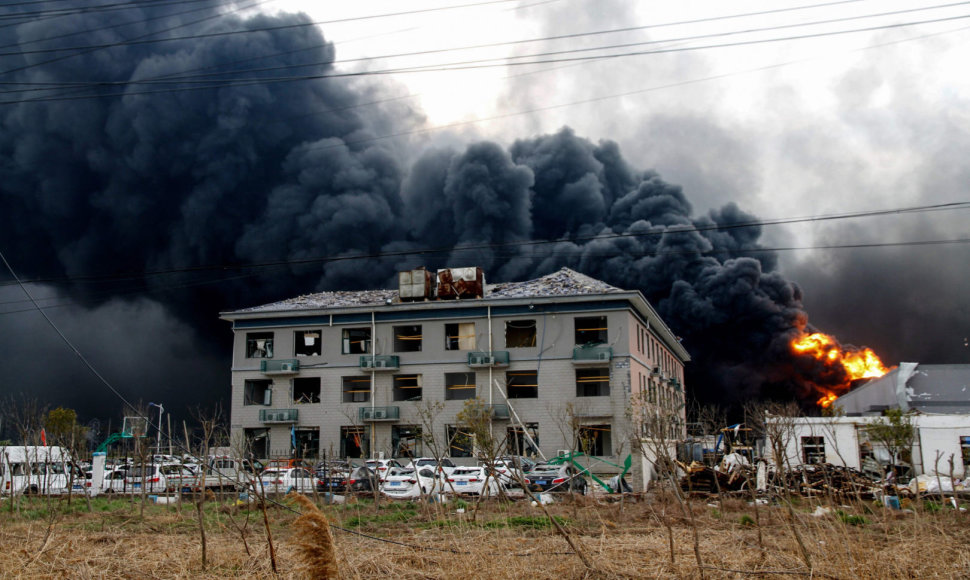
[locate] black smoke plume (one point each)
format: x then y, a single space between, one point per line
131 175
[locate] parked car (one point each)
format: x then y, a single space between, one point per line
364 480
115 481
153 477
410 483
472 481
382 466
510 470
332 477
281 481
556 478
445 466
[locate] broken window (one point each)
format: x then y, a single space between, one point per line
516 442
257 442
522 384
353 441
307 343
356 340
407 387
306 390
407 338
460 336
965 451
591 330
520 333
593 382
460 443
813 449
595 439
406 440
258 392
459 386
259 345
307 442
356 389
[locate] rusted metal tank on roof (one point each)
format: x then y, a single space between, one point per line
415 285
456 283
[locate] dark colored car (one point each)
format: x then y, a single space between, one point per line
555 478
362 480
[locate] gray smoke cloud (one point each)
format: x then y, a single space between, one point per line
152 180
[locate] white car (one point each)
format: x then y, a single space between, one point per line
382 467
472 481
410 483
283 481
445 466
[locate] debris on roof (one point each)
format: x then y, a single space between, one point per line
565 282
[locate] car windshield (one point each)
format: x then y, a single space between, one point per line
467 471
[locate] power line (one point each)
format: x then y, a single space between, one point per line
668 230
468 65
212 82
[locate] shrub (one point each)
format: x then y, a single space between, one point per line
746 520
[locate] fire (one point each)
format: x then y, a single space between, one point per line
857 363
827 400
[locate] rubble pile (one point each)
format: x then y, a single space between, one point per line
564 282
807 480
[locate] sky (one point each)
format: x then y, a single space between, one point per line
145 182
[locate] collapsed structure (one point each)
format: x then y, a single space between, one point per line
560 360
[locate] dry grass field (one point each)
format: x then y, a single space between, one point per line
120 538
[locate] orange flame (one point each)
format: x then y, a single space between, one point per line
857 363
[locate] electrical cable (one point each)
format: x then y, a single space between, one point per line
445 67
668 230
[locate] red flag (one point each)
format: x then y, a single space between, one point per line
43 437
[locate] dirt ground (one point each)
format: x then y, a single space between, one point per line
645 537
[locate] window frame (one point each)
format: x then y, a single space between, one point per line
602 439
252 344
355 395
405 339
521 337
466 392
456 337
586 386
266 400
517 388
399 392
597 334
299 342
357 335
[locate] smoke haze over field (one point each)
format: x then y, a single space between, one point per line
130 194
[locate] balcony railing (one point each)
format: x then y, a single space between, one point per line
380 362
481 359
279 415
592 354
379 413
500 412
283 366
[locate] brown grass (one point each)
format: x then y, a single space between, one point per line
622 541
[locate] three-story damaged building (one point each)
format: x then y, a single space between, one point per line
563 362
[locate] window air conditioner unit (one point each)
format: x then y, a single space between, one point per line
478 359
605 355
380 414
380 364
563 452
656 371
287 367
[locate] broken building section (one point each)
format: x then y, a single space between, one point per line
914 420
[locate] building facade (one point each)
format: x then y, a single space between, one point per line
562 361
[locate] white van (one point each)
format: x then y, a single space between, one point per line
35 469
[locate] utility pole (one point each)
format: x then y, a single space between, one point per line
158 441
